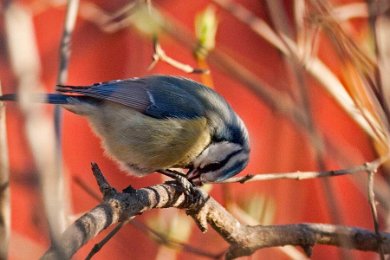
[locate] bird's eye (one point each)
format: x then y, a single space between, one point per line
211 167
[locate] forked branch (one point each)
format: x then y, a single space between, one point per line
243 239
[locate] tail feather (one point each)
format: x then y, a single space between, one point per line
59 99
8 97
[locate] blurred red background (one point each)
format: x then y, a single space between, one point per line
277 144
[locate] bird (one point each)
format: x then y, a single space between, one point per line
160 122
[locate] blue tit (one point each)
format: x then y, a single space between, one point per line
160 122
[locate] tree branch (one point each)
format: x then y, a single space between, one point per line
299 175
374 213
243 239
158 237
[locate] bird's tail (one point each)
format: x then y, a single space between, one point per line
8 97
59 99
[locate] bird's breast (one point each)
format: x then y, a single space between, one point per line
146 144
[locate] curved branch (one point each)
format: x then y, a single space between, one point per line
243 239
307 235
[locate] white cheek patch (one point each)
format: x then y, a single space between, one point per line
231 167
216 153
219 151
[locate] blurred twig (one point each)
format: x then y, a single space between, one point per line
298 82
108 22
96 248
5 200
276 100
24 57
206 26
313 65
350 10
166 241
58 181
380 23
365 91
70 21
360 72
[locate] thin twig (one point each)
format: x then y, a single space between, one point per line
87 188
160 55
108 22
368 166
105 187
372 202
169 242
96 248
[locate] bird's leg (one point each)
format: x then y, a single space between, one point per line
196 181
172 174
179 177
194 196
188 187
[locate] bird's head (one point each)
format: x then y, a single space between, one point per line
218 162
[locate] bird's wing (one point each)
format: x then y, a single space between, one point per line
157 96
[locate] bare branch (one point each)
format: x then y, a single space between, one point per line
243 239
306 235
160 55
367 166
115 208
371 200
158 236
5 199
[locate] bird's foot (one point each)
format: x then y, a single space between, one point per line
189 187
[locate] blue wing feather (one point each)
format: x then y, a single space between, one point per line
155 96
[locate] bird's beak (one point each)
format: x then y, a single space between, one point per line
194 176
192 173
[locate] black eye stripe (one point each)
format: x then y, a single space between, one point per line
211 167
217 165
